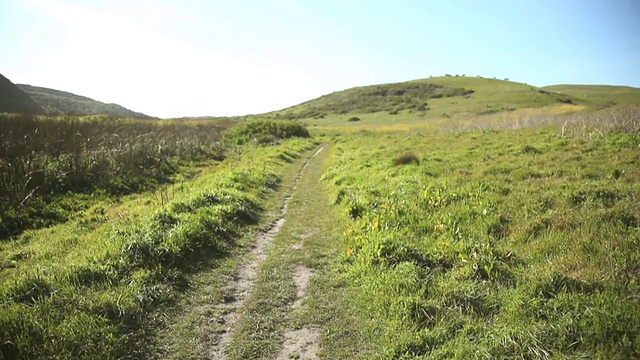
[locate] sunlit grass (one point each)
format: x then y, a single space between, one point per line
504 243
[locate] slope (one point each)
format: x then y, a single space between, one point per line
432 97
14 100
600 96
56 102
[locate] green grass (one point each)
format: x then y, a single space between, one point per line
91 287
516 244
495 243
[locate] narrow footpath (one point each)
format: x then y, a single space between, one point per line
240 287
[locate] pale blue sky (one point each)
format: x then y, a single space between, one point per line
197 57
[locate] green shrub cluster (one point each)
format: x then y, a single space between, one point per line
265 131
46 162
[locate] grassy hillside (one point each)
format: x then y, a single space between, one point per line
14 100
451 218
370 99
492 95
56 102
430 98
600 96
455 101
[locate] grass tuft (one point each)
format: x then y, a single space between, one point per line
406 159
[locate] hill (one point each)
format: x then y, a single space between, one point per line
375 98
14 100
600 96
460 96
56 102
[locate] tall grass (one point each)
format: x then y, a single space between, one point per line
574 124
44 158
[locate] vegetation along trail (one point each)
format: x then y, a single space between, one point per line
220 311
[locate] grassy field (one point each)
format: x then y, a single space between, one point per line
487 244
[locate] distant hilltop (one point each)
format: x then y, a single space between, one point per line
37 100
459 96
14 100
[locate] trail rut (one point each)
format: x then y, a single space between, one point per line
300 343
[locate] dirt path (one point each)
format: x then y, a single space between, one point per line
239 286
300 343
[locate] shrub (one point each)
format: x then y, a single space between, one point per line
406 159
353 118
259 129
565 100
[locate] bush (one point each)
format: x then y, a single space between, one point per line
260 129
406 159
353 118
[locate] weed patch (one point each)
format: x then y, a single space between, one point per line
406 159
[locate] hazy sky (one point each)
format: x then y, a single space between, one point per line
234 57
